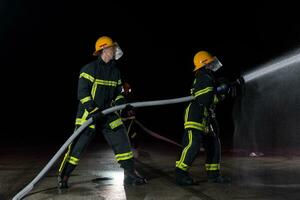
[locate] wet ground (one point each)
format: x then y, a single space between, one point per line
98 176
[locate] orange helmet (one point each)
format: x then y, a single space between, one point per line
103 42
201 59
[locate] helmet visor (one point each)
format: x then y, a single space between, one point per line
118 51
214 65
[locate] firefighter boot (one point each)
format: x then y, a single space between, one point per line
183 178
63 177
62 182
132 177
218 178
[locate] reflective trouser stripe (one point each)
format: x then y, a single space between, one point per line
63 163
116 123
180 164
85 99
212 167
194 125
124 156
73 160
119 97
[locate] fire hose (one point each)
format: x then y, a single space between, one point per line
42 173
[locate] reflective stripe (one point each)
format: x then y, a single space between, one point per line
119 82
85 99
119 97
66 158
73 160
212 167
116 123
93 92
87 76
195 125
203 91
95 109
187 113
184 152
106 82
80 121
182 166
124 156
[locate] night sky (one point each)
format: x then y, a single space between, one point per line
45 44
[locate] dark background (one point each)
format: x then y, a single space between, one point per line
45 44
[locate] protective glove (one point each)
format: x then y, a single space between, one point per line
128 111
236 87
96 114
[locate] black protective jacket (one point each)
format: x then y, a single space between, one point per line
99 86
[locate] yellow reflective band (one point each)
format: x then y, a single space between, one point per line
93 92
66 158
216 100
106 83
85 99
119 82
119 97
203 91
80 121
182 166
87 76
95 109
116 123
194 125
187 113
184 152
212 167
124 156
73 160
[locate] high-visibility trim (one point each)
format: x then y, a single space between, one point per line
194 125
203 91
119 97
93 91
187 113
182 166
87 76
80 121
119 82
85 99
124 156
95 109
66 158
106 82
73 160
184 152
116 123
216 100
212 167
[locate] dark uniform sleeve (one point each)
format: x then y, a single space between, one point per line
119 97
85 84
203 91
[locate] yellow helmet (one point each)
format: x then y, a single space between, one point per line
202 58
101 43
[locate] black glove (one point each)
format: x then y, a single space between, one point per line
96 114
128 111
236 87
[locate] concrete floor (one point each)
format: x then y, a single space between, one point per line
98 176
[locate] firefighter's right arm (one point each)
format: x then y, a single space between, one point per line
204 91
85 84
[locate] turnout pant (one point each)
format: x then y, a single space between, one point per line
192 139
117 138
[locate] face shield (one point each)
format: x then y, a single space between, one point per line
118 52
214 65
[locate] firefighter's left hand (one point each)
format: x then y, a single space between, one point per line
129 111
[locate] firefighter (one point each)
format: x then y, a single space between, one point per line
99 87
200 125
